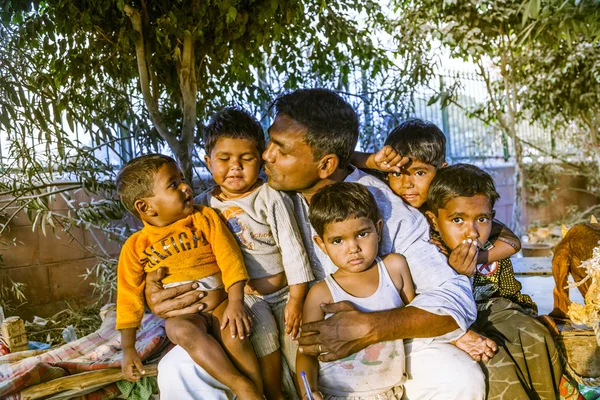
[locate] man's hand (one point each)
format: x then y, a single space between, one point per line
171 302
479 347
346 332
238 319
293 317
387 160
464 257
131 365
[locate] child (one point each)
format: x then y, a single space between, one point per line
263 222
194 245
413 153
346 219
461 199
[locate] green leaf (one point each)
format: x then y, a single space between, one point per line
231 14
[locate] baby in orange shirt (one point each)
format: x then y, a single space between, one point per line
193 244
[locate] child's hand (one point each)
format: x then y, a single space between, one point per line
464 257
315 395
238 319
293 317
479 347
387 160
131 365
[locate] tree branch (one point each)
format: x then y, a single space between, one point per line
189 89
136 21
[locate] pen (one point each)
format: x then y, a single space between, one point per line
306 385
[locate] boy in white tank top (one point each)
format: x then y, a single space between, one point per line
346 220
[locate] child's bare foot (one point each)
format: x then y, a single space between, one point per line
479 347
245 390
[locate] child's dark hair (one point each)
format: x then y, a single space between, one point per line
460 180
233 123
136 179
339 202
331 123
420 140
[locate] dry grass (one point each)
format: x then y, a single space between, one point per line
84 320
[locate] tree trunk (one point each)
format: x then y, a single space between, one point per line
518 185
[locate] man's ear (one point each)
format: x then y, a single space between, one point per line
320 243
143 208
433 220
445 164
207 161
328 165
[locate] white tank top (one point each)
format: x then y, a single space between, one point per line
376 368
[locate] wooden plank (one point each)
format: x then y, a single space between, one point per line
581 349
79 382
532 265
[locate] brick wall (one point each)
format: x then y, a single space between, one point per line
51 265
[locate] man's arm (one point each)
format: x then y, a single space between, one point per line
348 330
171 302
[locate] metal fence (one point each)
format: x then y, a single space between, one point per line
468 137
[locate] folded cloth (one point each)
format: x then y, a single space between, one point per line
98 350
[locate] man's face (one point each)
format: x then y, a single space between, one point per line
412 182
289 161
464 218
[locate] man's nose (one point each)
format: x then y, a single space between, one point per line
267 155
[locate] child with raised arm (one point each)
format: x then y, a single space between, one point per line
264 225
193 244
348 226
461 202
414 152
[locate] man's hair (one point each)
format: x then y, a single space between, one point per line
420 140
341 201
136 179
233 123
460 180
331 123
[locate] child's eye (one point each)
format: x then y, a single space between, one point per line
363 234
396 174
483 220
457 220
223 158
420 173
249 159
336 241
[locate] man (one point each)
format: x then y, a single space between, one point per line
312 138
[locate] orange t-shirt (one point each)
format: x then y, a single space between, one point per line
192 248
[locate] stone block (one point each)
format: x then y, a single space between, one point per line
66 281
100 238
26 252
62 248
